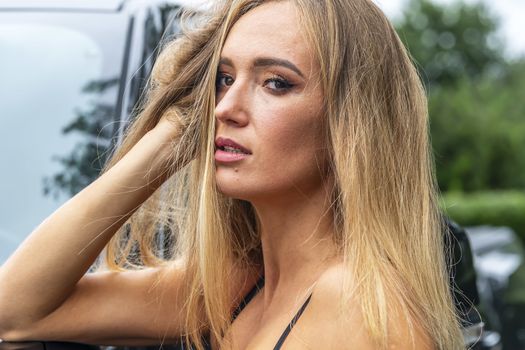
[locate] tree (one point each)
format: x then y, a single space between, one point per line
84 163
476 110
478 132
450 42
97 123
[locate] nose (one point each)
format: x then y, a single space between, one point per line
232 106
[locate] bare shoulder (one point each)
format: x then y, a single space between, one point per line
324 325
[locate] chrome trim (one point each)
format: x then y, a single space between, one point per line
472 334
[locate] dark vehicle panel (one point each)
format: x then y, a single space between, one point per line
499 259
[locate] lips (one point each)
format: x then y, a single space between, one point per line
221 143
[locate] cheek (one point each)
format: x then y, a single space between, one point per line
294 129
293 140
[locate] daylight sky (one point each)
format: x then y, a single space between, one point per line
511 13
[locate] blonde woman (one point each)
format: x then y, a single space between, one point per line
283 157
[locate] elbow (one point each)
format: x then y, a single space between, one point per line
11 334
13 328
16 332
15 321
6 323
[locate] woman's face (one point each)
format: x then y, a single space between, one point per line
269 100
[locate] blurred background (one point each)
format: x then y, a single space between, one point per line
71 75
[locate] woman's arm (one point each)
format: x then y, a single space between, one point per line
131 308
42 275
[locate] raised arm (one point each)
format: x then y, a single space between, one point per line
40 281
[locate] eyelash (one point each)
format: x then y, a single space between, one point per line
285 85
219 77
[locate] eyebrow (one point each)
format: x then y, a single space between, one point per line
267 62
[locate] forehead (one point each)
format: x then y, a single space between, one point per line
271 29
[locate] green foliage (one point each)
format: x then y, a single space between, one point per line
450 42
496 208
478 132
476 107
84 163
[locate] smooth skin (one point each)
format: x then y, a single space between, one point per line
275 110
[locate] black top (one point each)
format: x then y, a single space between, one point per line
258 286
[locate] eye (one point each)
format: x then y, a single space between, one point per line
278 84
223 80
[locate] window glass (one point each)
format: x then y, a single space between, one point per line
59 75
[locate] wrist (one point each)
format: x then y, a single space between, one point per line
156 148
166 130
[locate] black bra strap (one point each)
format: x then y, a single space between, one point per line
292 323
258 286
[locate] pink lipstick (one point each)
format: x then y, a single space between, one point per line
228 150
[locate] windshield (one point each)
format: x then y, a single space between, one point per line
58 96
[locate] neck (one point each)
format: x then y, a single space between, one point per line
296 237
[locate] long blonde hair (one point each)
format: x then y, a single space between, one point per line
387 221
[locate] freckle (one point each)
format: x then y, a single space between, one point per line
236 170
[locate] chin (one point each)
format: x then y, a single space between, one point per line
229 186
236 190
233 190
235 194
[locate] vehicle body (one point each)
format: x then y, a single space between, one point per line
94 58
499 260
72 71
478 333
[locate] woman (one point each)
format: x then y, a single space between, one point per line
284 146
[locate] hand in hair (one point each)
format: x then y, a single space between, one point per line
171 123
180 132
